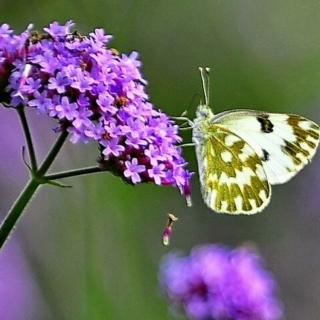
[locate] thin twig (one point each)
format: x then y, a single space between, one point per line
28 137
73 173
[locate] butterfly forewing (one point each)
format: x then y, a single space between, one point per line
231 173
285 143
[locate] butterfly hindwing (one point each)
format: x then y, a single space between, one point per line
285 143
231 173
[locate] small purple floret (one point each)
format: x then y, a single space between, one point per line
133 169
217 283
157 173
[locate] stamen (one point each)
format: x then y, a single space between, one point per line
189 201
168 229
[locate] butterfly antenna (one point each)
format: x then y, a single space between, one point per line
204 78
207 69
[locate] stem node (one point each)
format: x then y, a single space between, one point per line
36 180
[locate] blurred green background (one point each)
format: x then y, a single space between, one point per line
92 252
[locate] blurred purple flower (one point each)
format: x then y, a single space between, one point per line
217 283
95 93
17 291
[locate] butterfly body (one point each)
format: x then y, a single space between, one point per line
241 153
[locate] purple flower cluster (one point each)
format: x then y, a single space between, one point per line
217 283
96 94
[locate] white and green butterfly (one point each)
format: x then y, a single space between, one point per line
241 153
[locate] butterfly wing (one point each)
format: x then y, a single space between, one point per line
231 173
285 143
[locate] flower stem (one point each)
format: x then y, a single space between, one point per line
28 137
37 179
73 173
15 212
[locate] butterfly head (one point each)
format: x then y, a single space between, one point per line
204 112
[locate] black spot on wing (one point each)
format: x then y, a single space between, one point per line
266 124
266 155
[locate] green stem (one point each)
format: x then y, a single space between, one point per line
16 210
37 179
73 173
28 137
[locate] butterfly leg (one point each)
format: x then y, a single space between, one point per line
187 120
184 125
186 145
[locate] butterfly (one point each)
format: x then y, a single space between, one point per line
241 153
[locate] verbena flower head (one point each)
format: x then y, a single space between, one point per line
217 283
96 94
